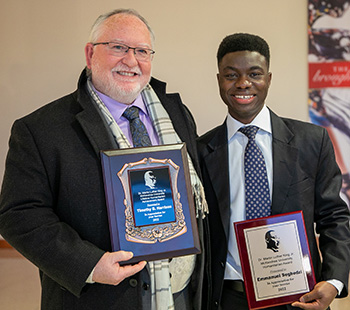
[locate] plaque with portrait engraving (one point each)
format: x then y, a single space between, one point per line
275 258
149 202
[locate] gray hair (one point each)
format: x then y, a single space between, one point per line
96 27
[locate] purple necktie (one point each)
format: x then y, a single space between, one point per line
138 130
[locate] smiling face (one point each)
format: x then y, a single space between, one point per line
244 81
121 78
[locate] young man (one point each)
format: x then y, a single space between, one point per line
300 173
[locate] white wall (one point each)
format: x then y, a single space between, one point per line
42 51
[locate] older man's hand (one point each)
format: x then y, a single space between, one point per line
109 271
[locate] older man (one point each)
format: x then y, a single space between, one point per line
53 207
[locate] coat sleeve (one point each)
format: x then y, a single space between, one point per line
28 220
331 217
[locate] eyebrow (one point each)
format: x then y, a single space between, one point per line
251 68
120 41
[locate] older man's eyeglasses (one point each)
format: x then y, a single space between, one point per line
119 49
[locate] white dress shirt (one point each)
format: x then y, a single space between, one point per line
237 142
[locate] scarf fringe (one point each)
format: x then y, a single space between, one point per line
202 208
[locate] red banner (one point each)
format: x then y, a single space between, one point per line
335 74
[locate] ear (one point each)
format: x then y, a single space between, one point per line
269 77
89 51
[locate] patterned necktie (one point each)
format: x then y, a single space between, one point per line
257 194
138 130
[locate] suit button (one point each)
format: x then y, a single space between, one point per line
216 304
145 286
133 282
222 264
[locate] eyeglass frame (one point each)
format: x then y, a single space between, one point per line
152 52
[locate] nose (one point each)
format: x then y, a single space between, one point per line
129 58
243 82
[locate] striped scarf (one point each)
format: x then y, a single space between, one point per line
181 268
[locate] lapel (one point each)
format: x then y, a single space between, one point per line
216 162
90 120
285 158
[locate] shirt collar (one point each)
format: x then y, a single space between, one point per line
262 120
117 108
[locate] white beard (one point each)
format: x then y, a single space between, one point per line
123 95
108 86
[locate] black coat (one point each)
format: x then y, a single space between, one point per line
305 177
53 207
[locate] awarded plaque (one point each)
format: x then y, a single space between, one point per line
149 201
275 257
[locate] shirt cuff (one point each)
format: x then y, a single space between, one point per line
89 279
337 284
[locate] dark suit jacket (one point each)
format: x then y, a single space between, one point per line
53 207
305 177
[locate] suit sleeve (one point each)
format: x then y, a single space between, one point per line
28 220
332 218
